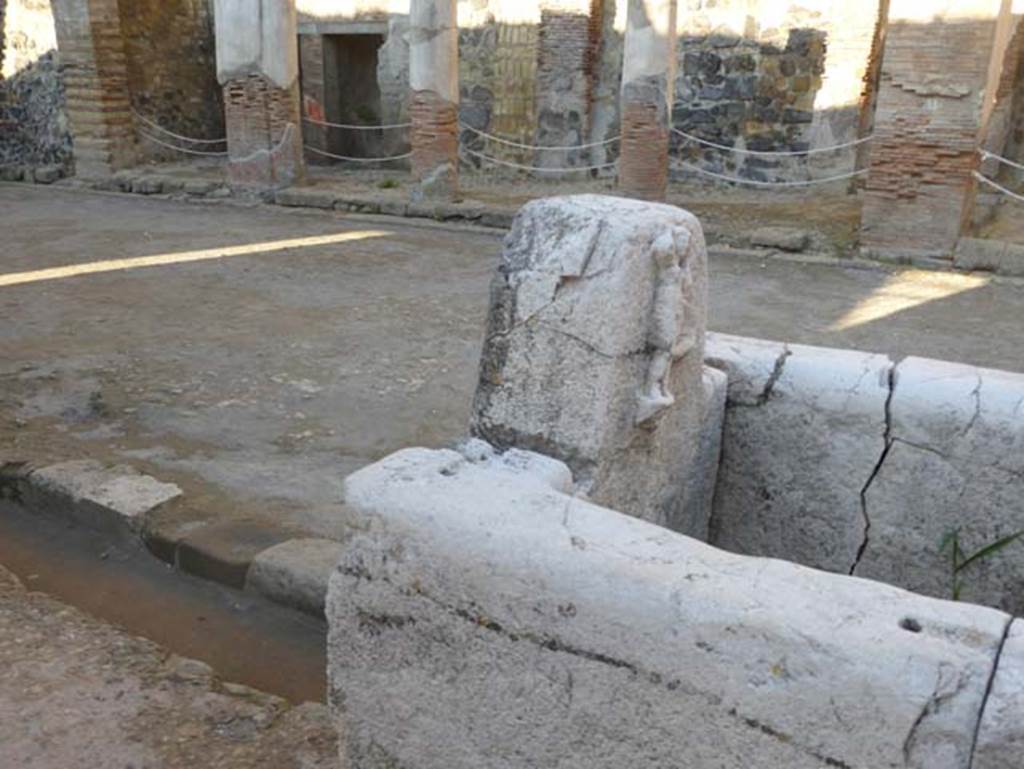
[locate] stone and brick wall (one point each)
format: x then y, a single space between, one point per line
172 74
33 123
929 122
751 78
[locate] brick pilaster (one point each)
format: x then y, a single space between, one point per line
264 139
96 85
647 87
434 96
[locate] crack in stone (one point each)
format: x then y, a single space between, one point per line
888 443
769 387
588 346
976 394
988 690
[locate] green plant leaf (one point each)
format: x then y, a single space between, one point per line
990 550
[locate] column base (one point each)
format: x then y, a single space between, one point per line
264 135
435 146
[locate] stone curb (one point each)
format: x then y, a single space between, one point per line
123 504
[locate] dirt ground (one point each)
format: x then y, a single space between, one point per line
79 694
257 378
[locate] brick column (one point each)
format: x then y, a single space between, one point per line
258 66
434 97
95 69
940 71
648 71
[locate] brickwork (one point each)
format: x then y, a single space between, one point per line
927 128
435 142
264 139
172 74
643 165
96 84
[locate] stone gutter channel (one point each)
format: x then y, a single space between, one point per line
124 505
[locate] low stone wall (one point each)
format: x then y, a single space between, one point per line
849 462
487 618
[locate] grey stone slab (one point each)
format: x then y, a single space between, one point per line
956 463
484 618
805 429
594 348
1001 735
224 552
115 500
295 573
782 238
46 174
300 197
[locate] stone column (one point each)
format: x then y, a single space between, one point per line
258 66
95 68
434 96
648 71
940 71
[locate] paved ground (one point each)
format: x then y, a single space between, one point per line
76 693
257 378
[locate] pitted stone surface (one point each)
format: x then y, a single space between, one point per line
1001 736
805 430
594 348
482 620
956 463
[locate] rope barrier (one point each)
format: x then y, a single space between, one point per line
765 153
536 169
183 149
518 145
999 187
358 160
986 155
756 183
348 127
179 137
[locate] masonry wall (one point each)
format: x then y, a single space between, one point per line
171 68
33 122
767 76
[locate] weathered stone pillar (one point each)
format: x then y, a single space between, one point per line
258 66
595 353
648 71
930 121
95 68
434 96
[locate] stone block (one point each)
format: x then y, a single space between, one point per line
295 573
484 619
11 173
148 185
955 462
782 238
594 348
299 197
990 255
114 500
46 174
199 188
805 429
1001 735
223 552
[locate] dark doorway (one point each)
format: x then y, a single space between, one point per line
352 92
